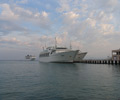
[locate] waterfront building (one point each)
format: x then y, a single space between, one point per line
116 54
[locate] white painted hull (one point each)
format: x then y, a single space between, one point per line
32 59
80 56
60 57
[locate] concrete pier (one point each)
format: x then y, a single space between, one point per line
115 59
102 61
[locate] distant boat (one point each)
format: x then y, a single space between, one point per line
80 56
57 54
30 57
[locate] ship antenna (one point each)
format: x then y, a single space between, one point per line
43 48
45 45
55 43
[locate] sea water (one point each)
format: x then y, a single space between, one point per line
32 80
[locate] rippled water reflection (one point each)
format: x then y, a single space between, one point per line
31 80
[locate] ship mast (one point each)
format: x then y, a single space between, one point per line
55 43
70 45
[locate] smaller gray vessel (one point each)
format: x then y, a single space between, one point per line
80 56
30 57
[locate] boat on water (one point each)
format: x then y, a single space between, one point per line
57 54
80 56
30 57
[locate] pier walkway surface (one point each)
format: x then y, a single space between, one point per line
102 61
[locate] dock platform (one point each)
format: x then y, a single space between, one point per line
102 61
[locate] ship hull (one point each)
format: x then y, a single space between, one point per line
32 59
62 57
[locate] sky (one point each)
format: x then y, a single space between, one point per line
26 26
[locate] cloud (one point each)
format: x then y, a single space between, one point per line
22 1
108 5
37 18
13 18
70 17
7 13
64 5
7 27
103 17
9 41
92 23
107 28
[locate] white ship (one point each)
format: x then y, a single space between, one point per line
57 54
80 56
30 57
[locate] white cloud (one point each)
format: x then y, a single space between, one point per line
44 14
22 1
8 27
22 12
7 13
107 28
15 14
70 17
93 24
104 17
107 5
8 40
89 24
64 5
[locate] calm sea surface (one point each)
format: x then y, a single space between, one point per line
31 80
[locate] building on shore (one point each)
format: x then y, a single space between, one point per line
116 54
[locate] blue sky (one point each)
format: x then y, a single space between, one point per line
28 25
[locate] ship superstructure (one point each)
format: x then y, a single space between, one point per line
30 57
57 54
